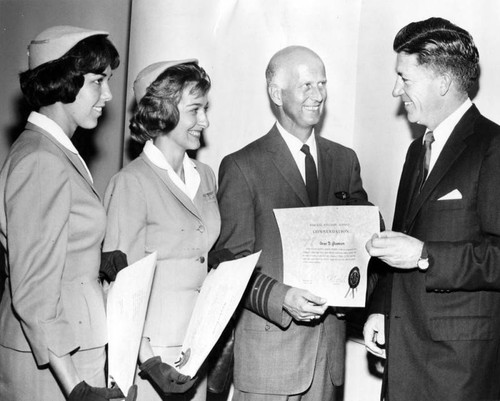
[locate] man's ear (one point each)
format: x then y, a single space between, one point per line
275 94
445 85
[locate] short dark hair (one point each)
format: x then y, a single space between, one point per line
157 111
60 80
442 46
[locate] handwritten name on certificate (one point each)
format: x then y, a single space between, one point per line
324 250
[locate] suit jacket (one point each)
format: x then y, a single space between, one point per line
273 354
52 225
147 212
443 325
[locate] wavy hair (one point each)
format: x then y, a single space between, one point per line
442 46
157 112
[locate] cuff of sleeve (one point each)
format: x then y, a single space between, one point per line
266 297
57 337
277 314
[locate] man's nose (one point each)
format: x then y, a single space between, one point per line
398 88
318 93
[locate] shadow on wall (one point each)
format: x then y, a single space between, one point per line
22 112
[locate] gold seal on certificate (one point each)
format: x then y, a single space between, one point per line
324 250
353 280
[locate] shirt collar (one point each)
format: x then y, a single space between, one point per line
295 144
53 129
444 130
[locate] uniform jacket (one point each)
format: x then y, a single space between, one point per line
147 212
273 354
443 325
52 225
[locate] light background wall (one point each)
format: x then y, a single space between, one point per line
233 40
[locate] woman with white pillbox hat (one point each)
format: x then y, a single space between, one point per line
165 201
52 223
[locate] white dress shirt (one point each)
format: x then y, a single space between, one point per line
295 144
443 131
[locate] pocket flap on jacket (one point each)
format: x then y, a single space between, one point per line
461 328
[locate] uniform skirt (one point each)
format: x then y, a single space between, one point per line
22 380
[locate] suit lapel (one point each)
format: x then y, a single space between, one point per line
174 189
282 158
73 158
452 150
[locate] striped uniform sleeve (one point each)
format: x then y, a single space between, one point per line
265 296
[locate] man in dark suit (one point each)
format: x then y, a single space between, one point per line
289 345
439 305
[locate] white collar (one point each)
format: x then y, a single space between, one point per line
445 128
295 144
443 131
53 129
191 175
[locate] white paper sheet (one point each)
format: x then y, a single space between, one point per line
127 303
219 296
324 250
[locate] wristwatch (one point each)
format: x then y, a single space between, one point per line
423 261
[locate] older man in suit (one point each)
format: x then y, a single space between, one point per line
441 297
289 344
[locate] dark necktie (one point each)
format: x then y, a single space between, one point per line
428 139
311 177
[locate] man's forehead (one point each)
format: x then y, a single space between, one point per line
305 67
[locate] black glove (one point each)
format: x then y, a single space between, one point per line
84 392
164 378
217 257
111 263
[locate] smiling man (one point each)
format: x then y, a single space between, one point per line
438 308
289 345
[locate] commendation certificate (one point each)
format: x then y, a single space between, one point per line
219 296
127 303
324 250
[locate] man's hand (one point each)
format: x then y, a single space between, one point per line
396 249
304 306
374 334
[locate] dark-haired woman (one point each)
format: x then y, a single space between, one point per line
52 223
164 201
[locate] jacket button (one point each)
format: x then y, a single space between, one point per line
201 229
267 327
202 259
